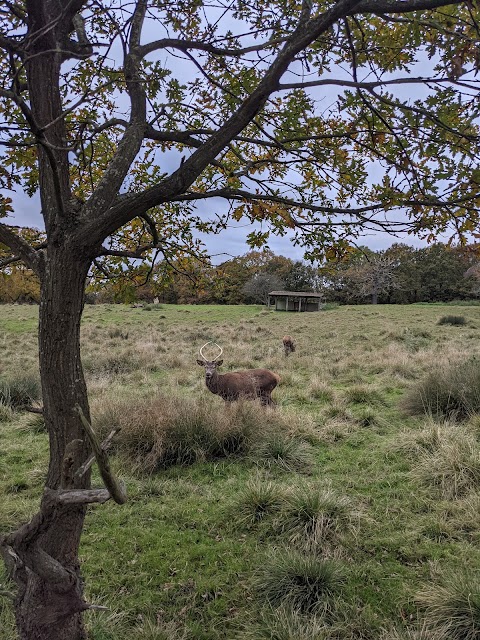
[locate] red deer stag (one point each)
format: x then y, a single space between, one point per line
288 345
252 383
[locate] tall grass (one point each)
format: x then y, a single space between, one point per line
303 581
452 466
159 431
451 391
20 390
313 515
452 608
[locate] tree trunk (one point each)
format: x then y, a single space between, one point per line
50 600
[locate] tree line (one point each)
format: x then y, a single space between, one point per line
398 275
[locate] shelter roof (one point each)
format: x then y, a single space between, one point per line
296 294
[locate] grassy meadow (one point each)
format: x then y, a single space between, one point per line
350 511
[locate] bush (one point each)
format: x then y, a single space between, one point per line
303 581
20 391
453 320
450 392
452 608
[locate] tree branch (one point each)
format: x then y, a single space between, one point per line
378 7
21 248
105 223
112 178
117 491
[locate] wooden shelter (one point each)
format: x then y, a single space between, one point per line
295 300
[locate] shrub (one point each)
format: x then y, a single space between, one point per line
452 608
303 581
20 391
449 392
453 320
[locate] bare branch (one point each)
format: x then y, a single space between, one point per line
131 142
189 45
81 471
71 497
369 85
117 491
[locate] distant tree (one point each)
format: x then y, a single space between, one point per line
260 285
373 276
302 277
339 276
19 284
441 270
407 275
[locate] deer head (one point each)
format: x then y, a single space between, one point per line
210 365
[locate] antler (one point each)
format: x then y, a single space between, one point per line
201 351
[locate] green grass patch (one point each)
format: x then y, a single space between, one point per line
322 518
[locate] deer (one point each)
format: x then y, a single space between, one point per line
251 383
288 345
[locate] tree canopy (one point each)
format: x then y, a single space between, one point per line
298 116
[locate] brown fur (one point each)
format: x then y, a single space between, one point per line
251 384
288 345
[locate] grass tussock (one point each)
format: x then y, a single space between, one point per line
410 633
454 321
303 581
426 440
362 394
452 608
160 431
451 392
20 390
453 466
258 499
285 623
280 450
6 412
314 515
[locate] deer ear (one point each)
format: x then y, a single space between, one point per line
219 363
201 363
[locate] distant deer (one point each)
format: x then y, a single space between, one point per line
252 383
288 345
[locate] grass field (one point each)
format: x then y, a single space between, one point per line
350 511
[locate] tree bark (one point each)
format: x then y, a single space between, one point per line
50 596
